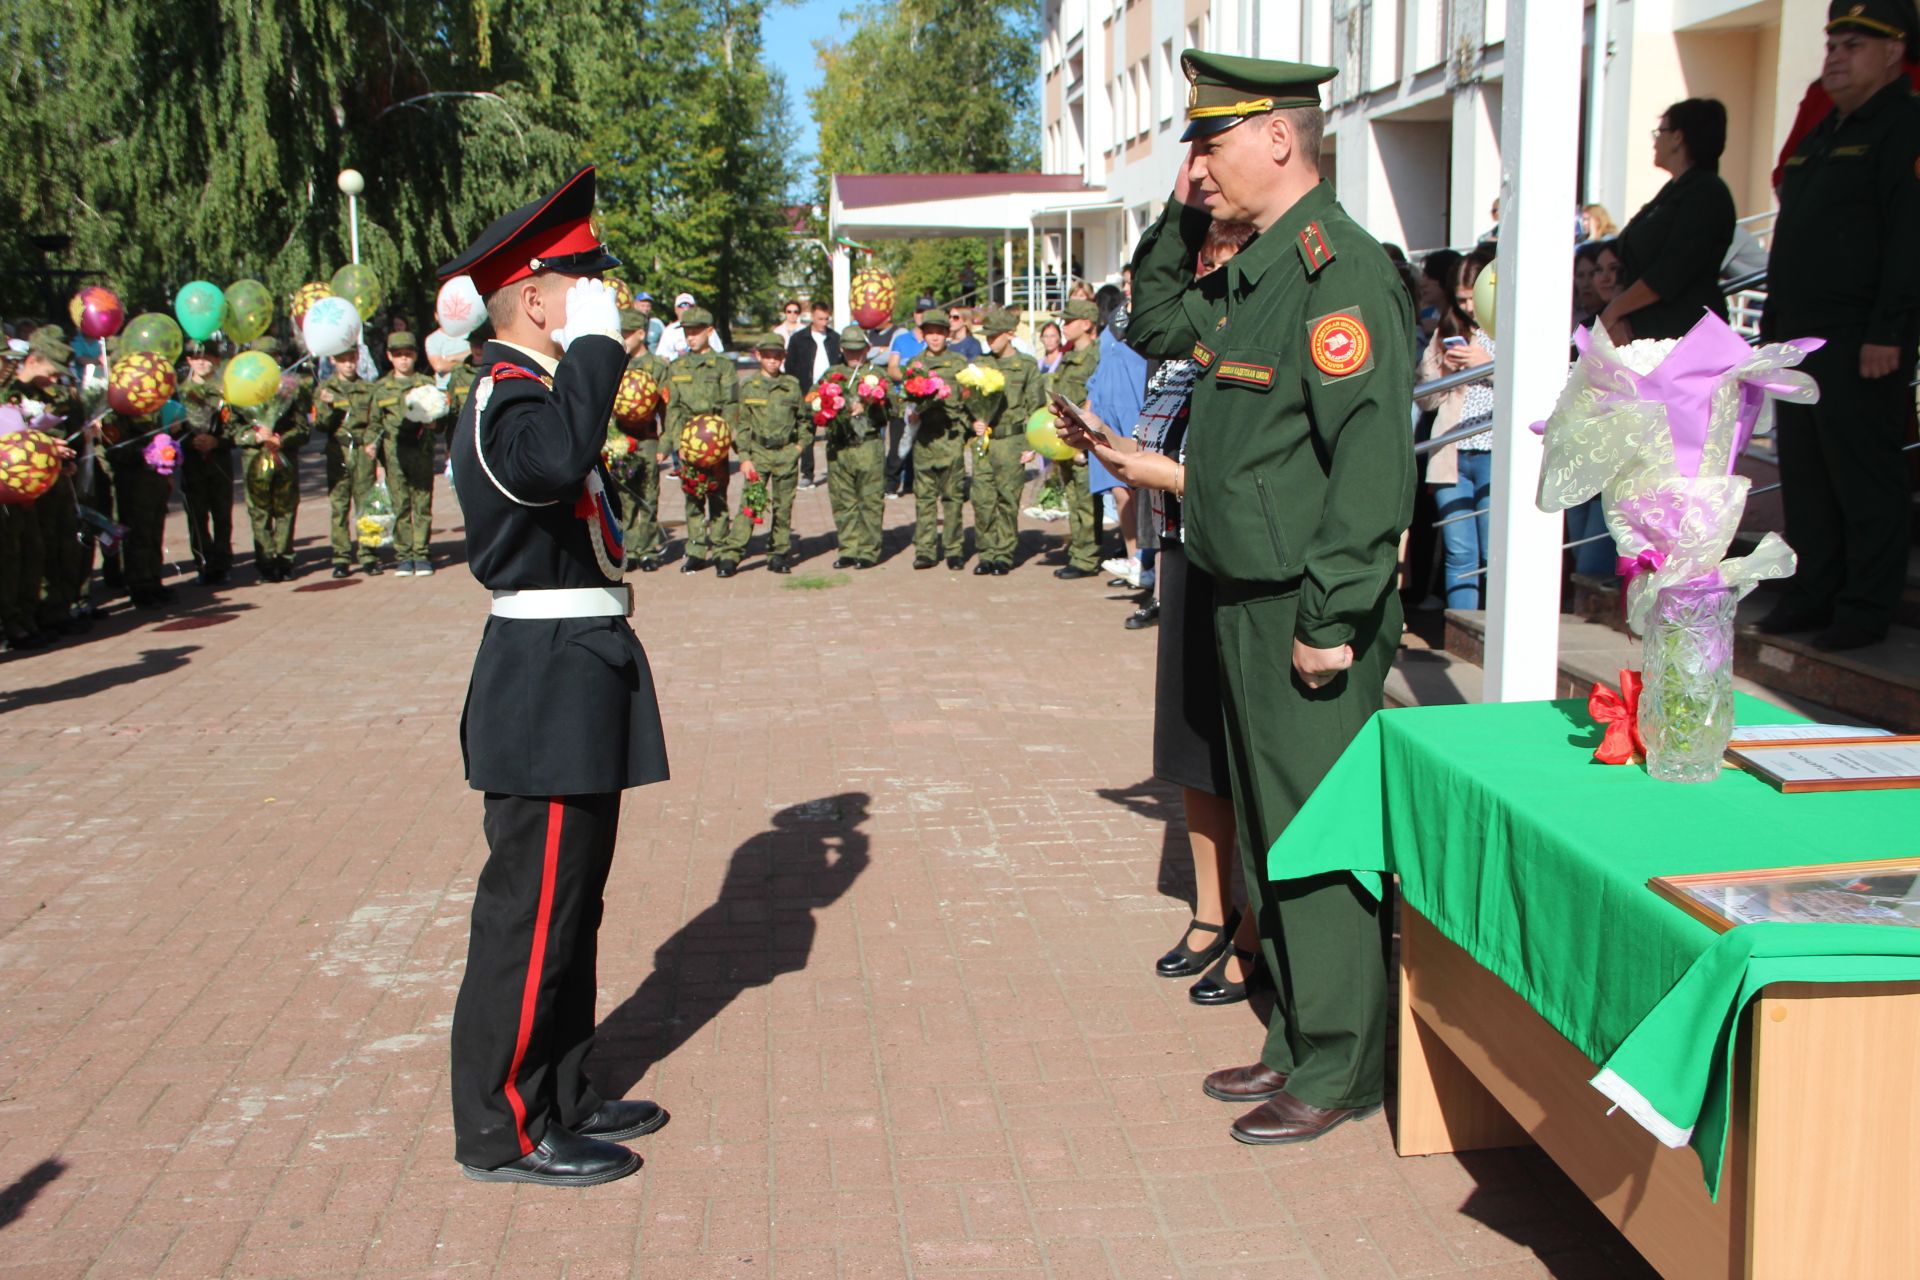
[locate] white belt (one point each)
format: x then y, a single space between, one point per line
565 602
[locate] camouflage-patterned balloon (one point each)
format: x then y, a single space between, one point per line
622 292
28 465
141 382
305 296
871 294
705 440
638 396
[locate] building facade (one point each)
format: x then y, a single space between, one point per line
1413 131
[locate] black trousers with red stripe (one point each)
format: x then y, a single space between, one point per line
524 1020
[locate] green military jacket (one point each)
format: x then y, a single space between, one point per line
1075 370
344 412
460 380
1299 449
1846 246
701 382
944 425
289 413
774 418
862 420
204 403
123 441
390 407
1006 411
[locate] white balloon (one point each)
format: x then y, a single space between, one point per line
459 309
446 346
330 327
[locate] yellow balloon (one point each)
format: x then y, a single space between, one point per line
1486 288
1043 437
252 379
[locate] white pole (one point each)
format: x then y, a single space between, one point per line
1032 273
841 259
1597 100
1006 267
1540 111
1066 259
353 226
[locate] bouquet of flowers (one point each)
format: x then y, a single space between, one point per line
700 483
426 405
829 398
162 454
622 453
753 500
376 520
923 387
872 388
986 381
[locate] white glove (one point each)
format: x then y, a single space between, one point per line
591 308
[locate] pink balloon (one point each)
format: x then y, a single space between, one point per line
101 313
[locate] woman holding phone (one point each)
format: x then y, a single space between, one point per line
1461 474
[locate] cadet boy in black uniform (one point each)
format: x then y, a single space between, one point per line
560 714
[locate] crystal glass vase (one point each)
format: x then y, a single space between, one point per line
1686 693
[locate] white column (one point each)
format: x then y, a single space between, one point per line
1541 112
1476 163
841 258
1006 268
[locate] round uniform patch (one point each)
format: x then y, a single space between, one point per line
1339 345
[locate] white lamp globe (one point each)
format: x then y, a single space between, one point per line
351 182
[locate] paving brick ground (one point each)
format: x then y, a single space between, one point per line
883 947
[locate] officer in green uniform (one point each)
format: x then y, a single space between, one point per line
1298 484
939 470
206 464
703 381
344 413
775 425
50 586
408 446
1845 267
637 477
140 495
1078 359
857 454
269 437
1000 445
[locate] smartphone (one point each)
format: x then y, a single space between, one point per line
1453 344
1071 411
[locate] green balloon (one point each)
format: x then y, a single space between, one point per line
200 307
156 333
249 310
1043 436
357 283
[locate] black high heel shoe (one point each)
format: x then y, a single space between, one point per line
1215 989
1183 961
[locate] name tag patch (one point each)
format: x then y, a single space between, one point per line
1203 355
1247 375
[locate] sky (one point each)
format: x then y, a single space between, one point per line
787 33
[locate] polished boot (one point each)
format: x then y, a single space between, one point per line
618 1121
1284 1118
563 1159
1244 1084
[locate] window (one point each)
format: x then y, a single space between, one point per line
1142 104
1116 111
1166 81
1197 33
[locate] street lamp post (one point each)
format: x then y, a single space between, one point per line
352 184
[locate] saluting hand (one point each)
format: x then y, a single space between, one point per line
1318 667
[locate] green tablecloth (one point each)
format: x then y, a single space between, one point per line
1534 859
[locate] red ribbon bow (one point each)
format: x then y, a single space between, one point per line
1620 713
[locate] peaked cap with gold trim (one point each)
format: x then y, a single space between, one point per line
1223 90
554 233
1887 19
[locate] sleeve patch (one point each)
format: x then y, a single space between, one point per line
1339 344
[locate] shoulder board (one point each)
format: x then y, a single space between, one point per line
1315 252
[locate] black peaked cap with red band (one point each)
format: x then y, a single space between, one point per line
554 233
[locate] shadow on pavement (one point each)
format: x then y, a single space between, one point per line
15 1198
153 662
761 926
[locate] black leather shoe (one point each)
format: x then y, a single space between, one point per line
1215 987
1002 569
777 564
1068 571
1183 961
650 564
864 564
563 1159
983 569
342 571
691 565
1284 1118
618 1121
372 569
1256 1083
725 569
955 562
1786 618
923 562
845 562
1147 615
286 571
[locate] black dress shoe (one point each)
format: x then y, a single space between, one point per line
342 571
618 1121
563 1159
1284 1118
844 562
650 564
777 564
286 571
372 569
984 568
955 562
1788 617
1215 988
1002 569
864 564
1147 615
1256 1083
692 565
1068 571
923 562
1183 961
725 569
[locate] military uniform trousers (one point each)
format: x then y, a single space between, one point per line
523 1022
640 505
857 490
350 476
140 497
206 490
65 557
20 561
273 498
1083 526
939 480
780 468
1845 486
708 526
998 478
410 484
1320 936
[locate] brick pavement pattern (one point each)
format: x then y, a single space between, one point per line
883 946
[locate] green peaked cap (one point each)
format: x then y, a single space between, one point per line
1224 89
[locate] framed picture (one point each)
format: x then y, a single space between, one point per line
1866 764
1883 892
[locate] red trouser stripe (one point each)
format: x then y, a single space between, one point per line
529 998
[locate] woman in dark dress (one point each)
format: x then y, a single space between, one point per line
1672 250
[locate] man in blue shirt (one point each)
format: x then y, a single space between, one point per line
1115 392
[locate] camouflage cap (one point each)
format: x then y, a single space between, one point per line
631 319
696 318
854 338
935 319
50 342
771 345
1081 309
206 348
401 340
999 321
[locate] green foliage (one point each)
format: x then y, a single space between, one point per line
931 86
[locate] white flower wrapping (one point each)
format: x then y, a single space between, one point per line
427 404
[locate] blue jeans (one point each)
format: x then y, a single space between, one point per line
1465 541
1595 559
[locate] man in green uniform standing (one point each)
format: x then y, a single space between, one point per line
1000 449
775 425
344 414
55 583
939 470
1079 358
140 495
638 475
1845 267
206 464
1298 486
408 445
270 436
702 381
857 453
